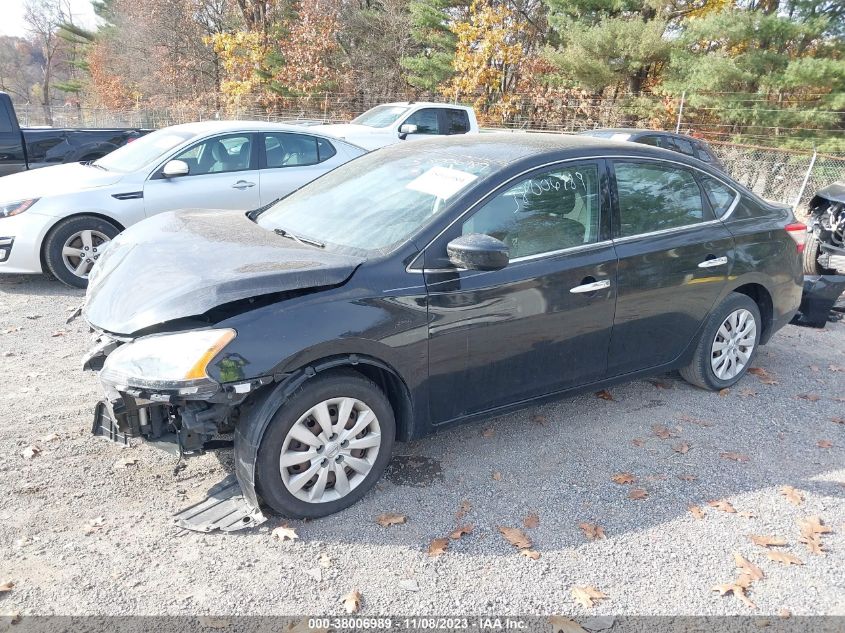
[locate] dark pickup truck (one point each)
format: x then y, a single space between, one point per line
30 148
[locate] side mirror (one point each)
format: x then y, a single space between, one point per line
478 252
175 168
407 128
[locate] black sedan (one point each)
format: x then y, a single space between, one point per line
423 285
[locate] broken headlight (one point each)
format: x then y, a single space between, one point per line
8 209
170 362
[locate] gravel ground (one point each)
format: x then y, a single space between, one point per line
79 534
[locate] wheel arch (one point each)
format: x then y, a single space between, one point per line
760 295
60 220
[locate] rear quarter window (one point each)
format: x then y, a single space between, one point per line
720 196
5 119
457 121
684 146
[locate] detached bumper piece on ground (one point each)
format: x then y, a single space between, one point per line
821 296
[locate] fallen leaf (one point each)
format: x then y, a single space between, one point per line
587 595
463 510
31 452
792 495
315 572
624 478
660 384
604 394
784 557
57 333
488 432
438 546
813 543
124 462
352 601
539 419
687 477
737 588
722 505
638 442
812 397
838 420
10 617
835 368
824 444
758 371
6 586
747 514
784 613
697 421
747 393
747 567
737 457
532 520
285 533
530 553
94 524
592 531
697 512
637 494
813 525
515 537
724 392
767 541
210 622
391 518
324 561
561 624
681 447
497 476
814 368
409 584
461 531
661 431
52 437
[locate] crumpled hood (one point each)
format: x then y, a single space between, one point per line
183 263
54 181
361 135
833 193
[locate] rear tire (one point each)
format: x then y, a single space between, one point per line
73 245
309 462
728 344
812 248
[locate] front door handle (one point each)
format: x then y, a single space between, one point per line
716 261
243 184
591 287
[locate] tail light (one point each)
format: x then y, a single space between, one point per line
798 232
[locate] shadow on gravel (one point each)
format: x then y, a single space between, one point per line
41 285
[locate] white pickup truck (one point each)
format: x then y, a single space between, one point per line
393 122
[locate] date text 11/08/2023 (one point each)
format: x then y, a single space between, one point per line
419 623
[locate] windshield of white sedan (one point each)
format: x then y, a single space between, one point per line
376 201
380 116
143 151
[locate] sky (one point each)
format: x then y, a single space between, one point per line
11 16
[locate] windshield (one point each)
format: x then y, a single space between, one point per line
377 201
143 151
380 116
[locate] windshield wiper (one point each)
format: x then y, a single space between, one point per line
91 163
299 238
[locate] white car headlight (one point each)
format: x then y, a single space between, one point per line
167 361
8 209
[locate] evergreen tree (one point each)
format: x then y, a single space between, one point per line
432 65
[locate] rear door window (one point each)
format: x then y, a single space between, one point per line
426 121
457 121
283 149
649 140
655 197
5 119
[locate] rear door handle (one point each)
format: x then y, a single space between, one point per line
591 287
716 261
243 184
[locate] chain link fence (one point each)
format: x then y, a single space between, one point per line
775 174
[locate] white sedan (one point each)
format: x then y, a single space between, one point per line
59 219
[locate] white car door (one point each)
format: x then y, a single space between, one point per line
222 174
289 160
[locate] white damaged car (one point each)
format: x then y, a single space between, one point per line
59 219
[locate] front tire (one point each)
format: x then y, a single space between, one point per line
728 344
74 244
810 259
326 446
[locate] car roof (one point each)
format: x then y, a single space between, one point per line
633 131
427 104
216 127
508 148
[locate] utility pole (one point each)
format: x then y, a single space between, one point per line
680 112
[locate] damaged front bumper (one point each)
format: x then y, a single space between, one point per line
182 425
820 296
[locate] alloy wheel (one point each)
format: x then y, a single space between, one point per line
330 450
82 249
733 344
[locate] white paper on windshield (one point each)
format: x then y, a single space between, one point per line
441 182
620 136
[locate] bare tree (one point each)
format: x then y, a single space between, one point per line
43 19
